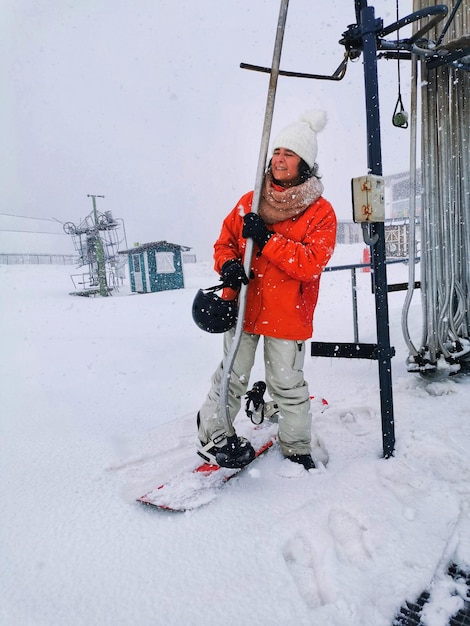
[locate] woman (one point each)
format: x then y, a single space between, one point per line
294 235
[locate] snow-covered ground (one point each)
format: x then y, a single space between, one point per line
98 403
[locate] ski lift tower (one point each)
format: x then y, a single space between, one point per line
97 239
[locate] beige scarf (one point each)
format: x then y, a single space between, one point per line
277 206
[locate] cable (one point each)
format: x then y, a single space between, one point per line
27 217
34 232
399 117
449 22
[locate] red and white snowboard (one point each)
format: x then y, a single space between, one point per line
194 488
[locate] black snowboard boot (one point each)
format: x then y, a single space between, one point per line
232 452
236 453
304 459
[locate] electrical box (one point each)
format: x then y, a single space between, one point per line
368 198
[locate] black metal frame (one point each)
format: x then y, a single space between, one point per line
367 36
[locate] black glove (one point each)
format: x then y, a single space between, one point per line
233 274
254 227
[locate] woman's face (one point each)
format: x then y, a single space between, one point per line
285 166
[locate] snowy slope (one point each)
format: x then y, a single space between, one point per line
98 405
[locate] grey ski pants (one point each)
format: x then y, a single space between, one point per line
284 361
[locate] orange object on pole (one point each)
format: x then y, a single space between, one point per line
366 259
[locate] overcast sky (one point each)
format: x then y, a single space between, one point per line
144 102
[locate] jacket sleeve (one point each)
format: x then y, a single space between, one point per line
305 260
230 244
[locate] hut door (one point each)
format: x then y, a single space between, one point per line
136 262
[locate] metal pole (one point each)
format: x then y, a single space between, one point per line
99 251
230 357
369 29
354 303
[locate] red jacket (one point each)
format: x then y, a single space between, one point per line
285 278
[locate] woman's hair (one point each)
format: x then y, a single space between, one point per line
305 172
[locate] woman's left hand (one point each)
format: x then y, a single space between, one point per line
254 227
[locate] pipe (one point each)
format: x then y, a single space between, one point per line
230 357
412 211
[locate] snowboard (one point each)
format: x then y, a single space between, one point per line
193 488
199 485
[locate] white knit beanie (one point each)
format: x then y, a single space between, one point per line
301 136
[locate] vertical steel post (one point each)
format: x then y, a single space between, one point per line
230 357
354 303
374 160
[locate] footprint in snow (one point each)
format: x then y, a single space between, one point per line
359 420
349 535
299 558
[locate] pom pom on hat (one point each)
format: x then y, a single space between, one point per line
301 136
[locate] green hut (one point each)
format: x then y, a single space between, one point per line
156 266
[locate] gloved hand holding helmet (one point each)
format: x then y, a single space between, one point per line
233 274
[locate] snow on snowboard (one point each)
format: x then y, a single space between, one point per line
193 488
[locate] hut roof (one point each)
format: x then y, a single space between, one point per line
155 245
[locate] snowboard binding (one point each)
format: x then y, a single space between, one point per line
256 407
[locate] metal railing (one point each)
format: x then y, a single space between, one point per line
353 267
38 259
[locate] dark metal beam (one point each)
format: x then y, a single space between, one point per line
369 27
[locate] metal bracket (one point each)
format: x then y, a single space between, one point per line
368 240
352 38
338 74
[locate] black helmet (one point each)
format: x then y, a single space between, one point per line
213 314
